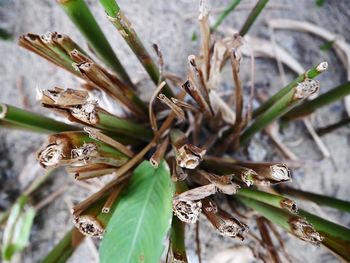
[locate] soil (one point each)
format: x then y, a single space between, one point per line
171 24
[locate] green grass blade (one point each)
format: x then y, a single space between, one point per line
32 121
18 227
324 99
121 23
81 16
252 16
138 226
225 13
311 73
336 237
65 248
317 198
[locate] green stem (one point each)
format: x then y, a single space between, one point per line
225 13
122 24
271 199
177 237
252 16
32 121
336 237
317 198
83 19
65 248
311 73
326 98
124 127
282 106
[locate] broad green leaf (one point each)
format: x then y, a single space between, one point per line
137 229
17 230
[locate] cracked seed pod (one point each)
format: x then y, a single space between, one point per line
304 230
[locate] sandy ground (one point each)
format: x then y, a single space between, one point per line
171 24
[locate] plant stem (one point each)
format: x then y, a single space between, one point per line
336 237
317 198
310 74
65 248
294 224
271 199
326 98
177 237
32 121
278 109
124 127
224 14
81 16
252 16
327 129
122 24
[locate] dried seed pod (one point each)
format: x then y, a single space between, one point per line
89 226
223 222
304 230
187 211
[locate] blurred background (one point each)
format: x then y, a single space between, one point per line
173 26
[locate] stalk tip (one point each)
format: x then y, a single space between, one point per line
187 211
89 226
304 230
3 110
280 172
322 66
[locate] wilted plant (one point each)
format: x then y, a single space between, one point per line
170 158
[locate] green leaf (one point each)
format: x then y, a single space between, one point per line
18 227
138 226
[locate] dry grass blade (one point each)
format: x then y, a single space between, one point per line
159 153
180 114
113 196
152 117
205 35
98 135
265 235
